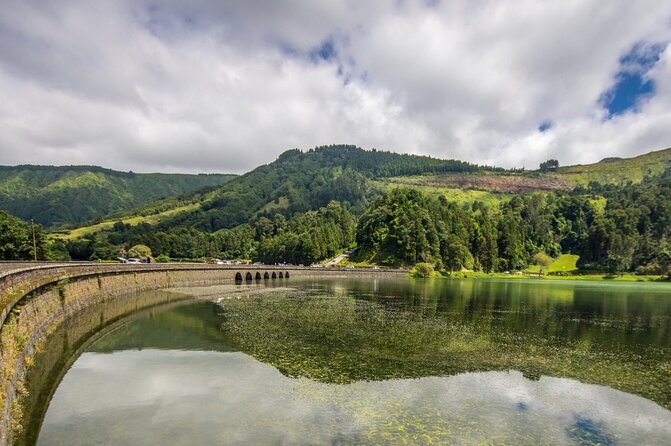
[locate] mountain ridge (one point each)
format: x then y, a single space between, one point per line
380 170
71 195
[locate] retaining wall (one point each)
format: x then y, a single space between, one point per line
36 298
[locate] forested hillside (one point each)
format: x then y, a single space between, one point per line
70 195
306 206
301 181
632 232
284 192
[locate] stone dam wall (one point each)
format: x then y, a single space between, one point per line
36 298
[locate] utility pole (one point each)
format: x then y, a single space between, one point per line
32 226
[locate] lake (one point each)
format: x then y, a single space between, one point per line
340 361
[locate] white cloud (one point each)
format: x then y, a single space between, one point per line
225 86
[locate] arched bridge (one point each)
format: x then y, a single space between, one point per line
249 276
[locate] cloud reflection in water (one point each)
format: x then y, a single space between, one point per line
199 397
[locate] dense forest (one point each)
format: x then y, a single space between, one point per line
305 238
16 239
632 232
68 195
298 182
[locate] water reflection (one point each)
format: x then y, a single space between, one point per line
343 331
74 336
634 313
367 362
197 397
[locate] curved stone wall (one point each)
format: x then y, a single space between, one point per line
36 298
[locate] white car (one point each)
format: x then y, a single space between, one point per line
133 260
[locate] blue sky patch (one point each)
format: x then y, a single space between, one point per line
545 125
632 85
326 51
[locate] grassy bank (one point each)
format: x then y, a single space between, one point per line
577 276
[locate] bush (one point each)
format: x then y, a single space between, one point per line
649 269
163 258
423 270
139 251
542 260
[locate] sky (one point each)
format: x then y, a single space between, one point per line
224 86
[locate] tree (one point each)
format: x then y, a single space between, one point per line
57 251
423 270
549 166
543 260
140 251
458 256
16 239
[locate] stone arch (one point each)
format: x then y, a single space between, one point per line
248 277
286 275
266 276
238 277
258 276
281 275
274 275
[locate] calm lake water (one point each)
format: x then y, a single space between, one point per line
370 362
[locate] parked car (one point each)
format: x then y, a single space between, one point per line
133 260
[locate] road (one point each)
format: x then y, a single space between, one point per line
338 259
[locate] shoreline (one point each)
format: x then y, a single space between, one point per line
629 278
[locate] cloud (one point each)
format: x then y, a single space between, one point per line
226 86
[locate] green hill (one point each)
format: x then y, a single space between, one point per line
290 195
300 181
618 170
71 195
400 209
496 185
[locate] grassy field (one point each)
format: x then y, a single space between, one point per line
494 187
564 263
618 170
530 275
453 194
106 225
282 203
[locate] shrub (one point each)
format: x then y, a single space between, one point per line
139 251
423 270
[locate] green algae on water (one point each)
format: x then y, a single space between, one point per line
344 340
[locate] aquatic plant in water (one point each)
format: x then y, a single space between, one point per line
343 340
